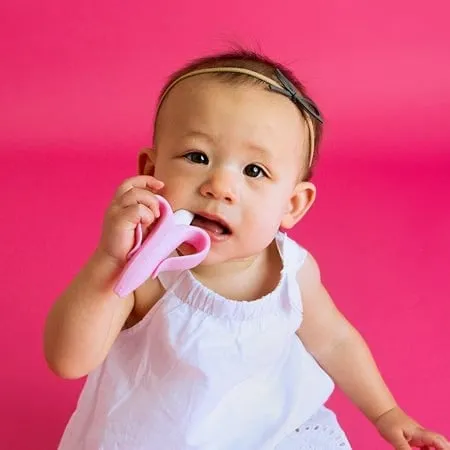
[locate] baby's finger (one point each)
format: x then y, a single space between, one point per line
133 215
140 181
142 196
429 439
442 443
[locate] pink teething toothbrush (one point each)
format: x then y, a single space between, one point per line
151 257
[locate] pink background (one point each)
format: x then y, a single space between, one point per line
77 87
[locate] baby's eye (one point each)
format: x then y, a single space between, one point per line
254 171
197 157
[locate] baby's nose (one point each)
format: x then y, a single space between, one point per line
221 186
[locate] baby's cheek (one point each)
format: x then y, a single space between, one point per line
263 225
173 195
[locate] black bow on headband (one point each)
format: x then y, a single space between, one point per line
290 91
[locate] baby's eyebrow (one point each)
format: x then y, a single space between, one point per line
259 150
197 134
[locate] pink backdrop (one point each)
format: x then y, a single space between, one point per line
77 87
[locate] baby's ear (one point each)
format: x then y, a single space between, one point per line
146 162
301 200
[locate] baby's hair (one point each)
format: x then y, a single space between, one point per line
256 62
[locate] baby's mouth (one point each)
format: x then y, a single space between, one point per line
213 225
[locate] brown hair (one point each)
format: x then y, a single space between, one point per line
256 62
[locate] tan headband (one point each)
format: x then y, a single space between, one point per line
250 73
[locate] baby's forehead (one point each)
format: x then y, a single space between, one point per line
208 100
208 88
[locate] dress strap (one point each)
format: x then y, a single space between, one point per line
294 257
292 253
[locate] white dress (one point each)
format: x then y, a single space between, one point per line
201 372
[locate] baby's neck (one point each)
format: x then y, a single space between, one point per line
245 279
228 268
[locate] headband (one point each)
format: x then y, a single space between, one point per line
284 87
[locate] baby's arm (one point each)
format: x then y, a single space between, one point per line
344 355
86 319
338 347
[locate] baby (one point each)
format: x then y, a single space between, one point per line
241 352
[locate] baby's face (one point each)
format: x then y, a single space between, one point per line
233 155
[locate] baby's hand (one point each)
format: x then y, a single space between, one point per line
404 433
133 203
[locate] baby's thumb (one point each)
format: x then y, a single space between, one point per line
403 446
401 443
